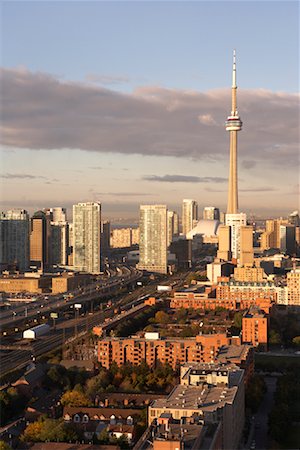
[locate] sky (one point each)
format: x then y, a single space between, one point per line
125 103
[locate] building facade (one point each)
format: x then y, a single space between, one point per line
255 327
153 238
211 213
87 237
173 226
174 351
39 240
189 215
14 239
293 287
211 394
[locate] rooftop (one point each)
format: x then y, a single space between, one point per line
199 398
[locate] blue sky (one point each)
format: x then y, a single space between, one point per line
140 55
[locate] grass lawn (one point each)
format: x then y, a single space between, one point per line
276 363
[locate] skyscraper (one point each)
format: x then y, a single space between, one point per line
14 239
189 215
172 226
58 235
233 125
39 240
234 219
153 238
211 213
87 236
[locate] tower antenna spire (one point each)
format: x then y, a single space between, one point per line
233 125
234 70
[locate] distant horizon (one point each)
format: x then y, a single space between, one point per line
132 218
141 118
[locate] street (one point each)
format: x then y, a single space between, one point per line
258 435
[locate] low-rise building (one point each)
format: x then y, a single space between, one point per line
206 299
33 283
92 421
175 351
69 281
207 394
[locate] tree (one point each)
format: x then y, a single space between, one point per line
296 341
255 392
99 383
237 320
4 446
74 398
161 317
274 337
32 432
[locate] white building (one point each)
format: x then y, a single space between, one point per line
235 221
86 236
211 213
153 238
189 215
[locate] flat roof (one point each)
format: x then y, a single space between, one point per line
198 398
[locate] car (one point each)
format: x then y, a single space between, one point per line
253 445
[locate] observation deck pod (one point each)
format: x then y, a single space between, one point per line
233 123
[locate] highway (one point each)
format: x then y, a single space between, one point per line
49 304
66 330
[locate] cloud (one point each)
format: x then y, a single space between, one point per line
207 119
106 79
259 189
126 194
43 112
183 179
248 164
11 176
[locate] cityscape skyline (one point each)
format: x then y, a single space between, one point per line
158 138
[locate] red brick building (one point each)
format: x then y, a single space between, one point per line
175 351
255 327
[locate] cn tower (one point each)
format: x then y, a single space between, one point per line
233 125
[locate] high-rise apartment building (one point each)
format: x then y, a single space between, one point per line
70 246
271 238
14 239
235 222
58 252
105 238
172 226
287 239
87 237
211 213
153 238
58 235
189 215
58 214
